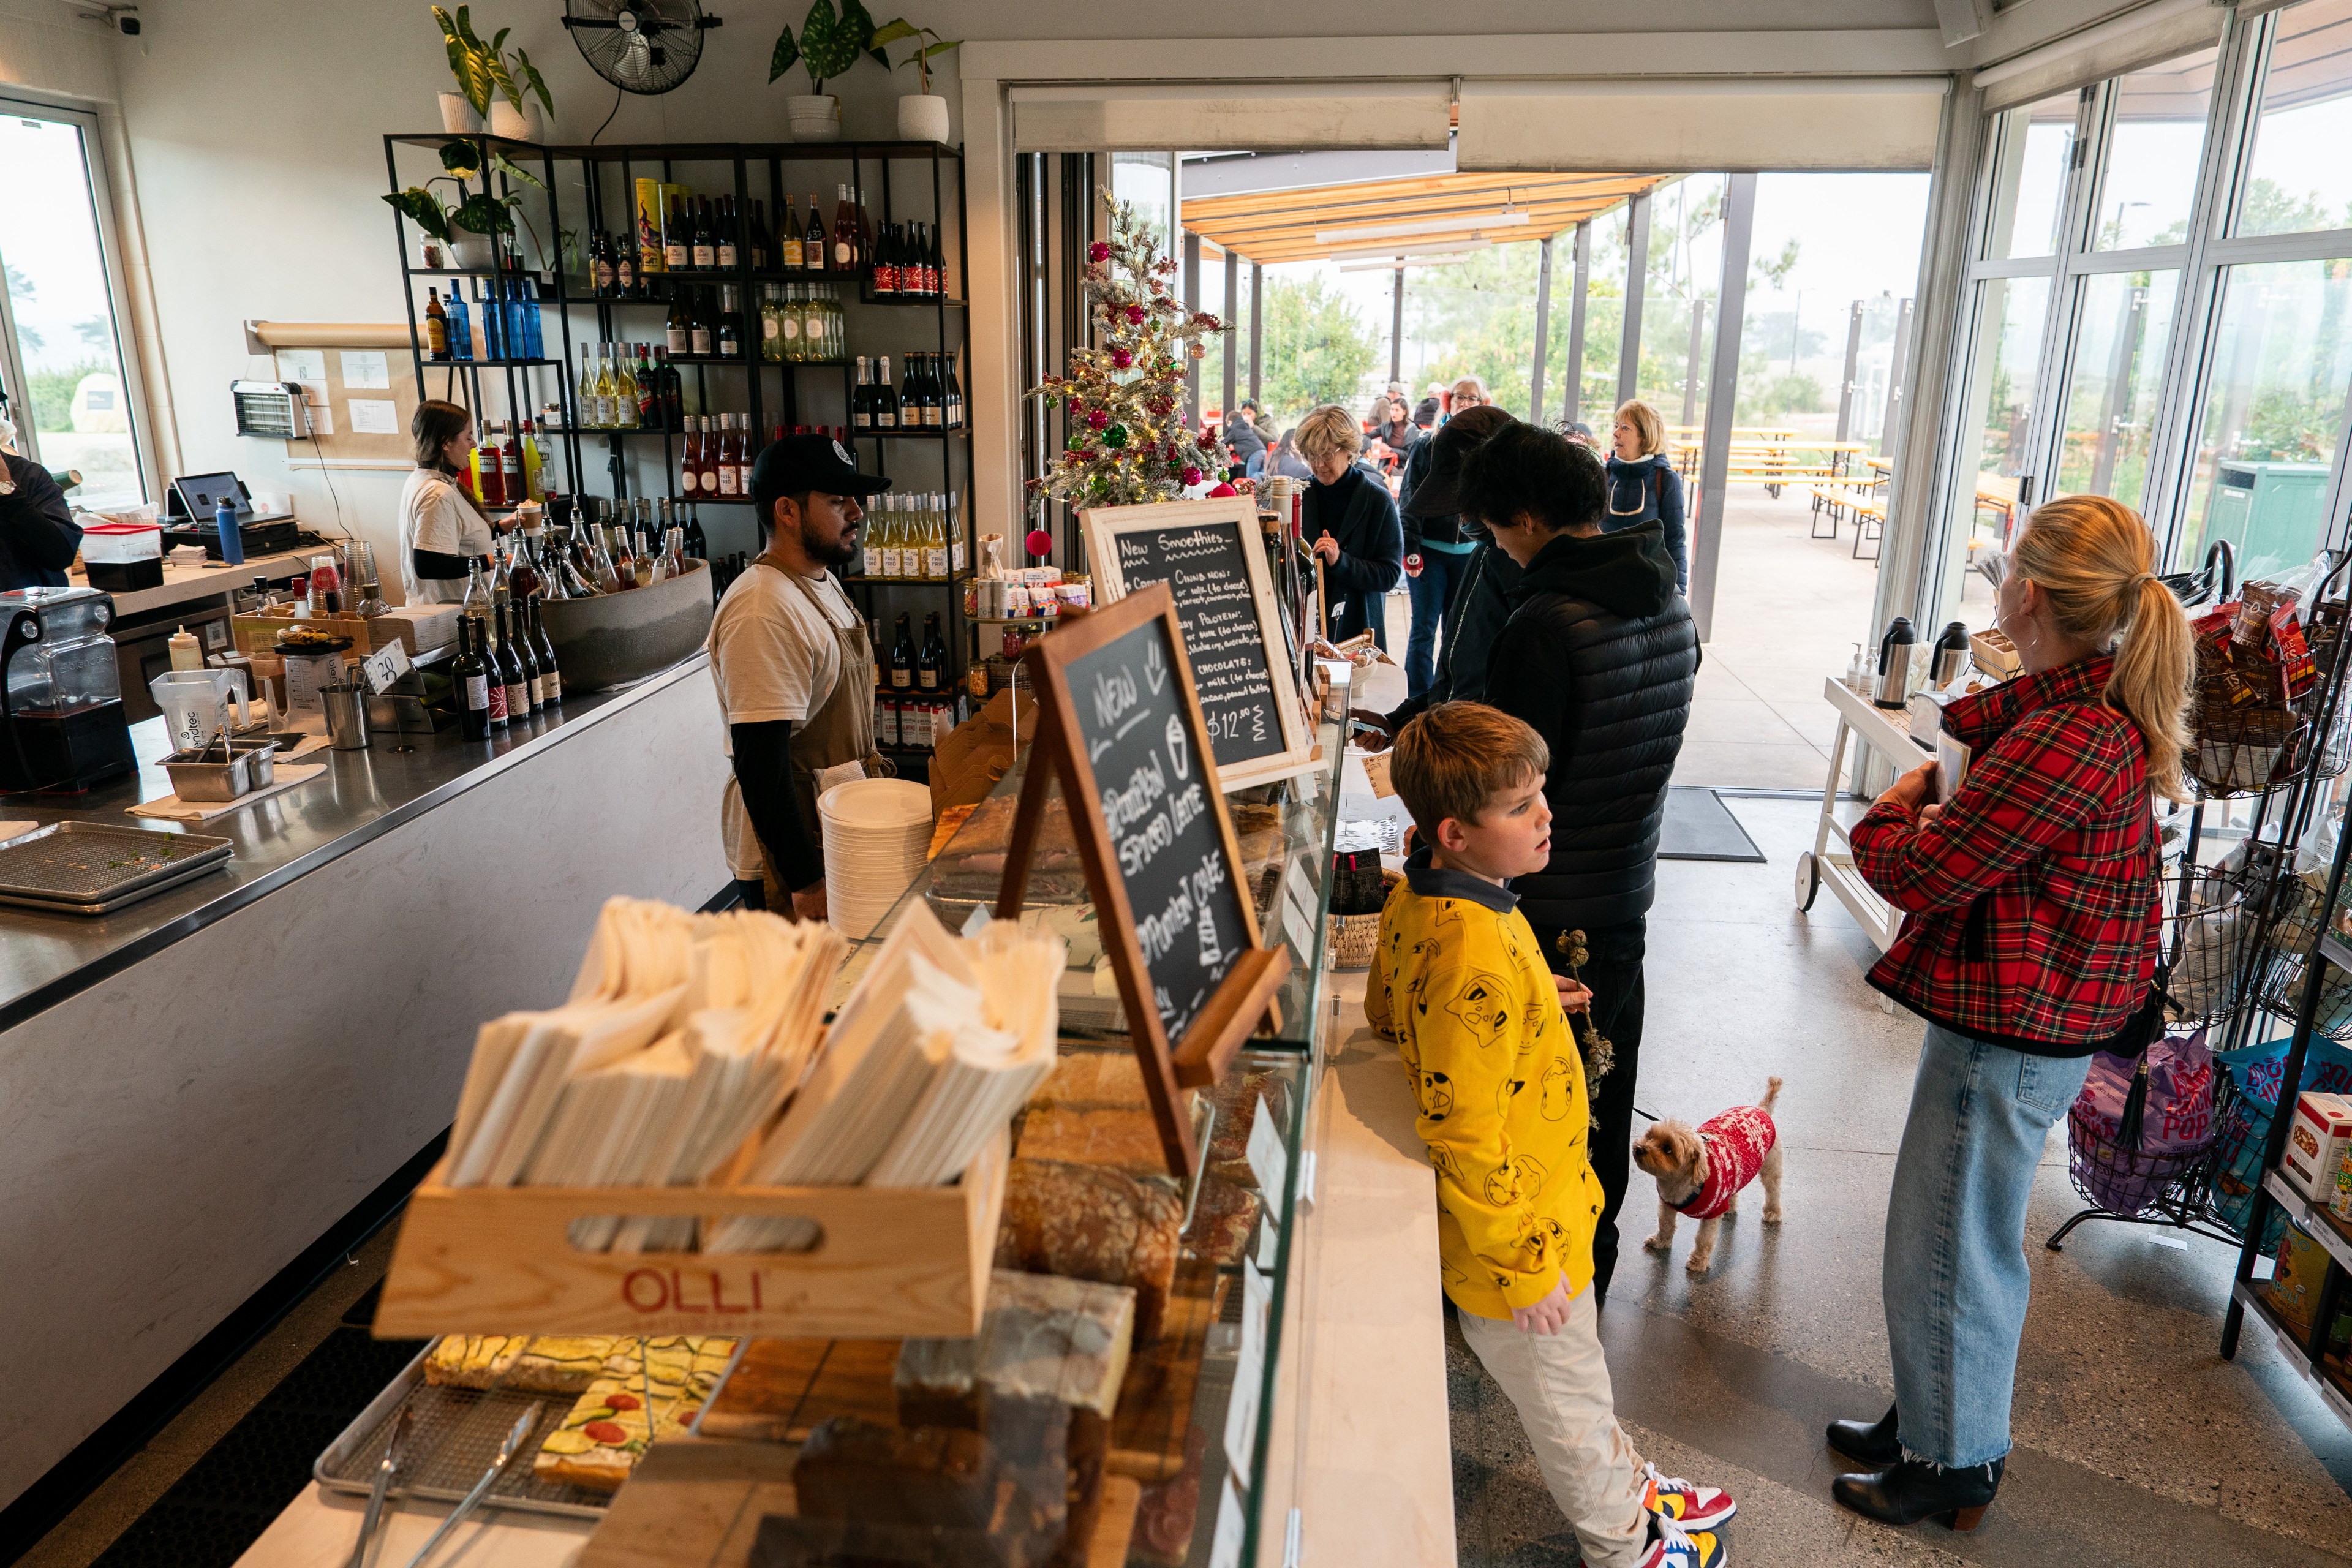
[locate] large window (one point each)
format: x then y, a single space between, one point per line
2111 402
1995 442
2299 178
62 362
2037 148
2153 150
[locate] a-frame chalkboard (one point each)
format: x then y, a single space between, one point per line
1119 727
1210 555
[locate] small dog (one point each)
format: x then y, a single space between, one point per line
1699 1174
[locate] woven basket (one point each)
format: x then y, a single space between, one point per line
1354 937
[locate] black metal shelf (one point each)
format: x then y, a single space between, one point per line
484 364
937 302
685 152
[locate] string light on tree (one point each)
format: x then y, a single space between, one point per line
1128 442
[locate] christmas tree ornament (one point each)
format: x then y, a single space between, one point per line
1039 541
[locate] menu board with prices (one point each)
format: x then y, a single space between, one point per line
1211 557
1121 731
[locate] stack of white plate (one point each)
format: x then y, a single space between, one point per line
877 835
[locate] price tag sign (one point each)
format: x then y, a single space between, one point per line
1249 1368
384 667
1269 1238
1269 1161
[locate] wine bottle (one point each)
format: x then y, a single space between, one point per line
758 241
788 238
608 390
642 562
624 266
953 390
729 475
731 339
511 477
436 326
870 541
902 658
861 398
954 525
625 393
681 321
703 337
747 454
935 264
649 398
470 675
885 396
511 677
599 265
697 546
706 240
550 678
526 657
668 389
813 245
929 674
935 541
677 244
729 247
844 233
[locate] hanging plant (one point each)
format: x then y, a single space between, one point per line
828 44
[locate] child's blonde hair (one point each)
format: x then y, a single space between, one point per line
1456 757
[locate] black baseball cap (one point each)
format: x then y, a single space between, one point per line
1439 494
796 465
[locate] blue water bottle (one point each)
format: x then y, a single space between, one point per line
232 538
461 332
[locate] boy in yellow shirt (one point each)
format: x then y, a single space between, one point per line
1460 984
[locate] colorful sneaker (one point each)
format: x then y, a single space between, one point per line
1687 1503
1672 1546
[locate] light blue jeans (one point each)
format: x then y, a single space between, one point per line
1955 1281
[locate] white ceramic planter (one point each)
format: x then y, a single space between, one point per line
471 250
458 116
813 117
923 117
515 124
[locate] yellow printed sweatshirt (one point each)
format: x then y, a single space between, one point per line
1459 983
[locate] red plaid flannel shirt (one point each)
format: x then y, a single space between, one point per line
2033 896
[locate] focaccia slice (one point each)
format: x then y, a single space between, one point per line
610 1424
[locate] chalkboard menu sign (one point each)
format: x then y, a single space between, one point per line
1120 728
1213 563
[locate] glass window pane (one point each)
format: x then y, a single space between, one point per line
2299 178
2119 368
64 313
2029 188
1678 297
2274 407
1998 428
2153 153
1148 180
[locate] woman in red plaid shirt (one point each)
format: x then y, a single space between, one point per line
2032 938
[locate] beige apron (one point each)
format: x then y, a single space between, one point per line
840 730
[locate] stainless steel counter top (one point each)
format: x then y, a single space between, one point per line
45 959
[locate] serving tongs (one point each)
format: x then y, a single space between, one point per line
384 1474
522 1429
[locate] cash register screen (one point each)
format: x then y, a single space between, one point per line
201 495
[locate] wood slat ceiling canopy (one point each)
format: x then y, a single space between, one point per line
1267 226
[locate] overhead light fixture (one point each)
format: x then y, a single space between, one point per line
1400 266
1358 252
1507 218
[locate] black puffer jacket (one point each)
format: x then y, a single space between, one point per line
1601 658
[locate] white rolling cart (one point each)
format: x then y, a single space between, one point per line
1889 735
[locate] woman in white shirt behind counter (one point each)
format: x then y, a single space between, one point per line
442 529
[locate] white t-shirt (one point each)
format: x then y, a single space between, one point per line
773 654
433 517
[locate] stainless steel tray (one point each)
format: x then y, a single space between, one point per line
457 1435
108 906
91 867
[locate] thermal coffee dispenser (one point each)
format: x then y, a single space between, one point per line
62 725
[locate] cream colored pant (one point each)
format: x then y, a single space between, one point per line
1560 1385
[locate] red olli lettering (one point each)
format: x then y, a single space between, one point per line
634 1280
678 1294
719 1295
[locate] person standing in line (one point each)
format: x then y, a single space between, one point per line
1642 484
1425 412
1467 392
38 536
2033 901
442 530
1600 658
1243 435
1439 552
1350 521
794 672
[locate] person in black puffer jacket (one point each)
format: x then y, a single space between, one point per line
1600 657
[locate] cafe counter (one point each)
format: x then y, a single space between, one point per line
196 1090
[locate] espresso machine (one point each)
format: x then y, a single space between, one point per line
62 725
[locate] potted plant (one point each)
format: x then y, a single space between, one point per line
828 44
922 115
483 69
470 228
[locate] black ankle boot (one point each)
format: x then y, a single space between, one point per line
1873 1445
1907 1493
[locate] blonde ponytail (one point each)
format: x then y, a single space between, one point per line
2095 559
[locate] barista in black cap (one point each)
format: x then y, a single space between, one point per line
795 671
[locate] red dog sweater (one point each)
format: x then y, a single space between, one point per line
1737 1141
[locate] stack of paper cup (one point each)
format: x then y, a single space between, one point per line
877 833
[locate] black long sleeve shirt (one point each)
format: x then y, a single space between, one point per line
38 535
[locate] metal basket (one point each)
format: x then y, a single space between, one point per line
2293 938
2130 1181
2208 937
2242 750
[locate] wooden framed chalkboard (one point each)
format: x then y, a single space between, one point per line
1210 556
1119 727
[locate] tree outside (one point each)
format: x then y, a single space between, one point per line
1318 348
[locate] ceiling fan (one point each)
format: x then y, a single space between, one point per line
645 46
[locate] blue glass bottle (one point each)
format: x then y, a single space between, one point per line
461 330
534 346
486 301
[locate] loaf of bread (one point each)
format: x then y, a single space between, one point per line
1236 1102
1084 1222
1044 1337
1122 1138
1224 1217
989 1508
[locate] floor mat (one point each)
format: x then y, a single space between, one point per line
1699 827
210 1515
